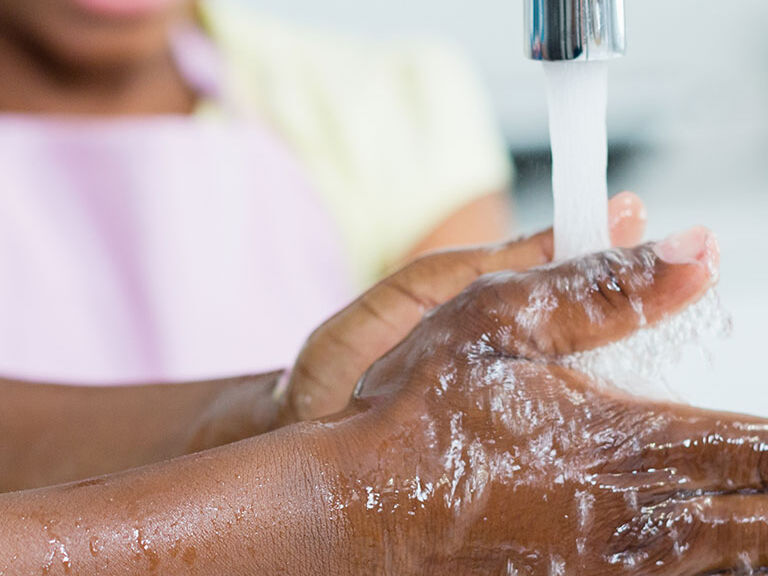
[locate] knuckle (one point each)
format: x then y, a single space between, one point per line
486 298
667 530
611 285
471 315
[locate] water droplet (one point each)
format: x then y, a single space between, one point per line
95 546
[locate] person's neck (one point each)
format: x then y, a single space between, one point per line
31 82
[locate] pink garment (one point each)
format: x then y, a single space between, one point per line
155 250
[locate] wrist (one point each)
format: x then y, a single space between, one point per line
231 410
338 453
373 493
320 454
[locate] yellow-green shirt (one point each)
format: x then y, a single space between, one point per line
394 138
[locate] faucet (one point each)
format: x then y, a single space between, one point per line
574 29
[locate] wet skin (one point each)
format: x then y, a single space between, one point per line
515 465
468 450
386 313
50 434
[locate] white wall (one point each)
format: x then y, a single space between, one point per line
687 59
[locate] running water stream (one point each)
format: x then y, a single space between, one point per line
577 94
577 97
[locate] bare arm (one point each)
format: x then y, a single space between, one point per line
422 474
483 221
51 434
253 507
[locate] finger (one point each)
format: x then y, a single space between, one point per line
705 451
384 315
396 304
696 483
589 302
705 534
401 300
627 218
728 532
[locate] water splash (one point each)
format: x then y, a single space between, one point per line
640 363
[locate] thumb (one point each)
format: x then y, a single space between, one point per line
590 302
337 353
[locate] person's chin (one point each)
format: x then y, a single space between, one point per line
81 40
123 8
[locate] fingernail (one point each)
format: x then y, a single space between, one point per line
697 245
627 219
626 205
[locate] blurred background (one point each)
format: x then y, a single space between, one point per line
688 130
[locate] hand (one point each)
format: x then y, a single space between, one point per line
470 450
338 353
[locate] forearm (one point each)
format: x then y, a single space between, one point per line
51 434
260 506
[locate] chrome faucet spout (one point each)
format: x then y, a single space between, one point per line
574 29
